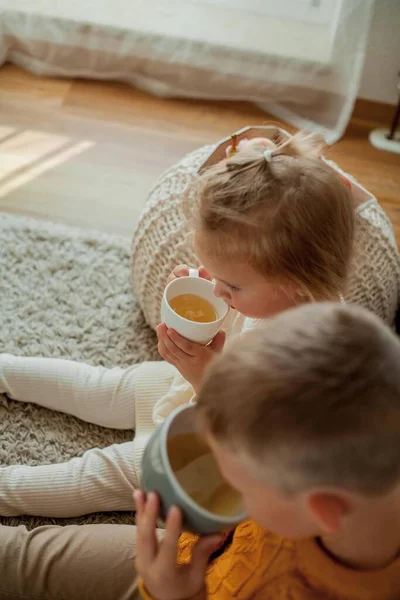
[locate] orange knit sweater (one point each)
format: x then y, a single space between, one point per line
259 565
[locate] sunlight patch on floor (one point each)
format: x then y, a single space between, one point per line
28 154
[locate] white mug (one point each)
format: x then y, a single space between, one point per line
201 333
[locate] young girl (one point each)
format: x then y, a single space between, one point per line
163 238
275 226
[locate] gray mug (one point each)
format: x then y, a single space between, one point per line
158 476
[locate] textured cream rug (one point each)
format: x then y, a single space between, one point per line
64 293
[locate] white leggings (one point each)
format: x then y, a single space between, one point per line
102 479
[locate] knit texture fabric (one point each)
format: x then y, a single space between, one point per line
259 565
163 240
65 293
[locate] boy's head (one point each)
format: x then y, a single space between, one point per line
289 219
304 416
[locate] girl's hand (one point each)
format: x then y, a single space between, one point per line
156 562
183 271
189 358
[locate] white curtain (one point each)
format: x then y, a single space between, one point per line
300 60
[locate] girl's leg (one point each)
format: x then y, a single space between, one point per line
100 480
66 563
97 395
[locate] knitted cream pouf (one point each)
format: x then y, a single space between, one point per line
162 240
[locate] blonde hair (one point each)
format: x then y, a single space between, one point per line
291 217
312 399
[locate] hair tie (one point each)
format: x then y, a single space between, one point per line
268 155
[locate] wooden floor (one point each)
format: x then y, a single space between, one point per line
86 152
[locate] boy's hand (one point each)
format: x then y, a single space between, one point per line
189 358
156 562
183 271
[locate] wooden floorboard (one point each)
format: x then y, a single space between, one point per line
86 152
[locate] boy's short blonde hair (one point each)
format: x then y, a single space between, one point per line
311 399
292 218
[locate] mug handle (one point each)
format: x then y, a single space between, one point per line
194 273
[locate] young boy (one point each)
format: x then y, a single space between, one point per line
304 419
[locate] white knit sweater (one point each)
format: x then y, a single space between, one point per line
163 240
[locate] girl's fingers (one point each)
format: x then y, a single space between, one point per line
169 546
165 335
187 347
178 271
167 344
147 544
165 354
204 274
181 271
174 349
168 356
161 329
